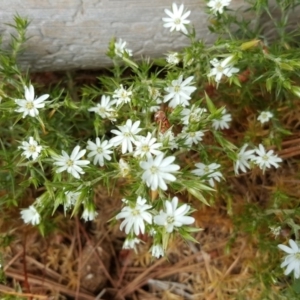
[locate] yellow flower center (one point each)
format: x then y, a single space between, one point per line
32 148
177 21
145 148
265 157
29 105
170 219
153 170
70 163
99 150
220 69
135 212
177 88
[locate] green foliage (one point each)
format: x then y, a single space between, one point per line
244 71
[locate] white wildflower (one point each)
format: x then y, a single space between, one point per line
30 105
292 259
157 251
179 92
243 159
130 243
217 6
191 137
104 109
223 121
71 199
126 135
208 171
30 215
120 48
154 95
192 115
124 167
31 148
134 217
89 214
264 117
122 95
173 58
100 151
157 171
72 164
275 230
266 159
147 146
173 216
177 20
221 68
168 139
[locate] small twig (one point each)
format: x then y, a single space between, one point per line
79 256
44 268
139 280
26 283
52 285
12 261
10 291
179 288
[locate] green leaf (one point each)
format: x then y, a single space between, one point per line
296 286
197 195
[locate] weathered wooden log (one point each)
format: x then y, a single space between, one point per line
69 34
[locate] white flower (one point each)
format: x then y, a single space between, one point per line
124 167
222 122
292 259
266 159
100 151
275 230
221 68
71 199
173 216
264 116
192 115
191 137
29 105
179 92
154 94
122 95
147 146
157 251
209 171
104 109
120 48
173 58
177 20
134 217
243 158
89 214
72 164
31 148
158 170
131 243
217 6
126 135
168 139
30 215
